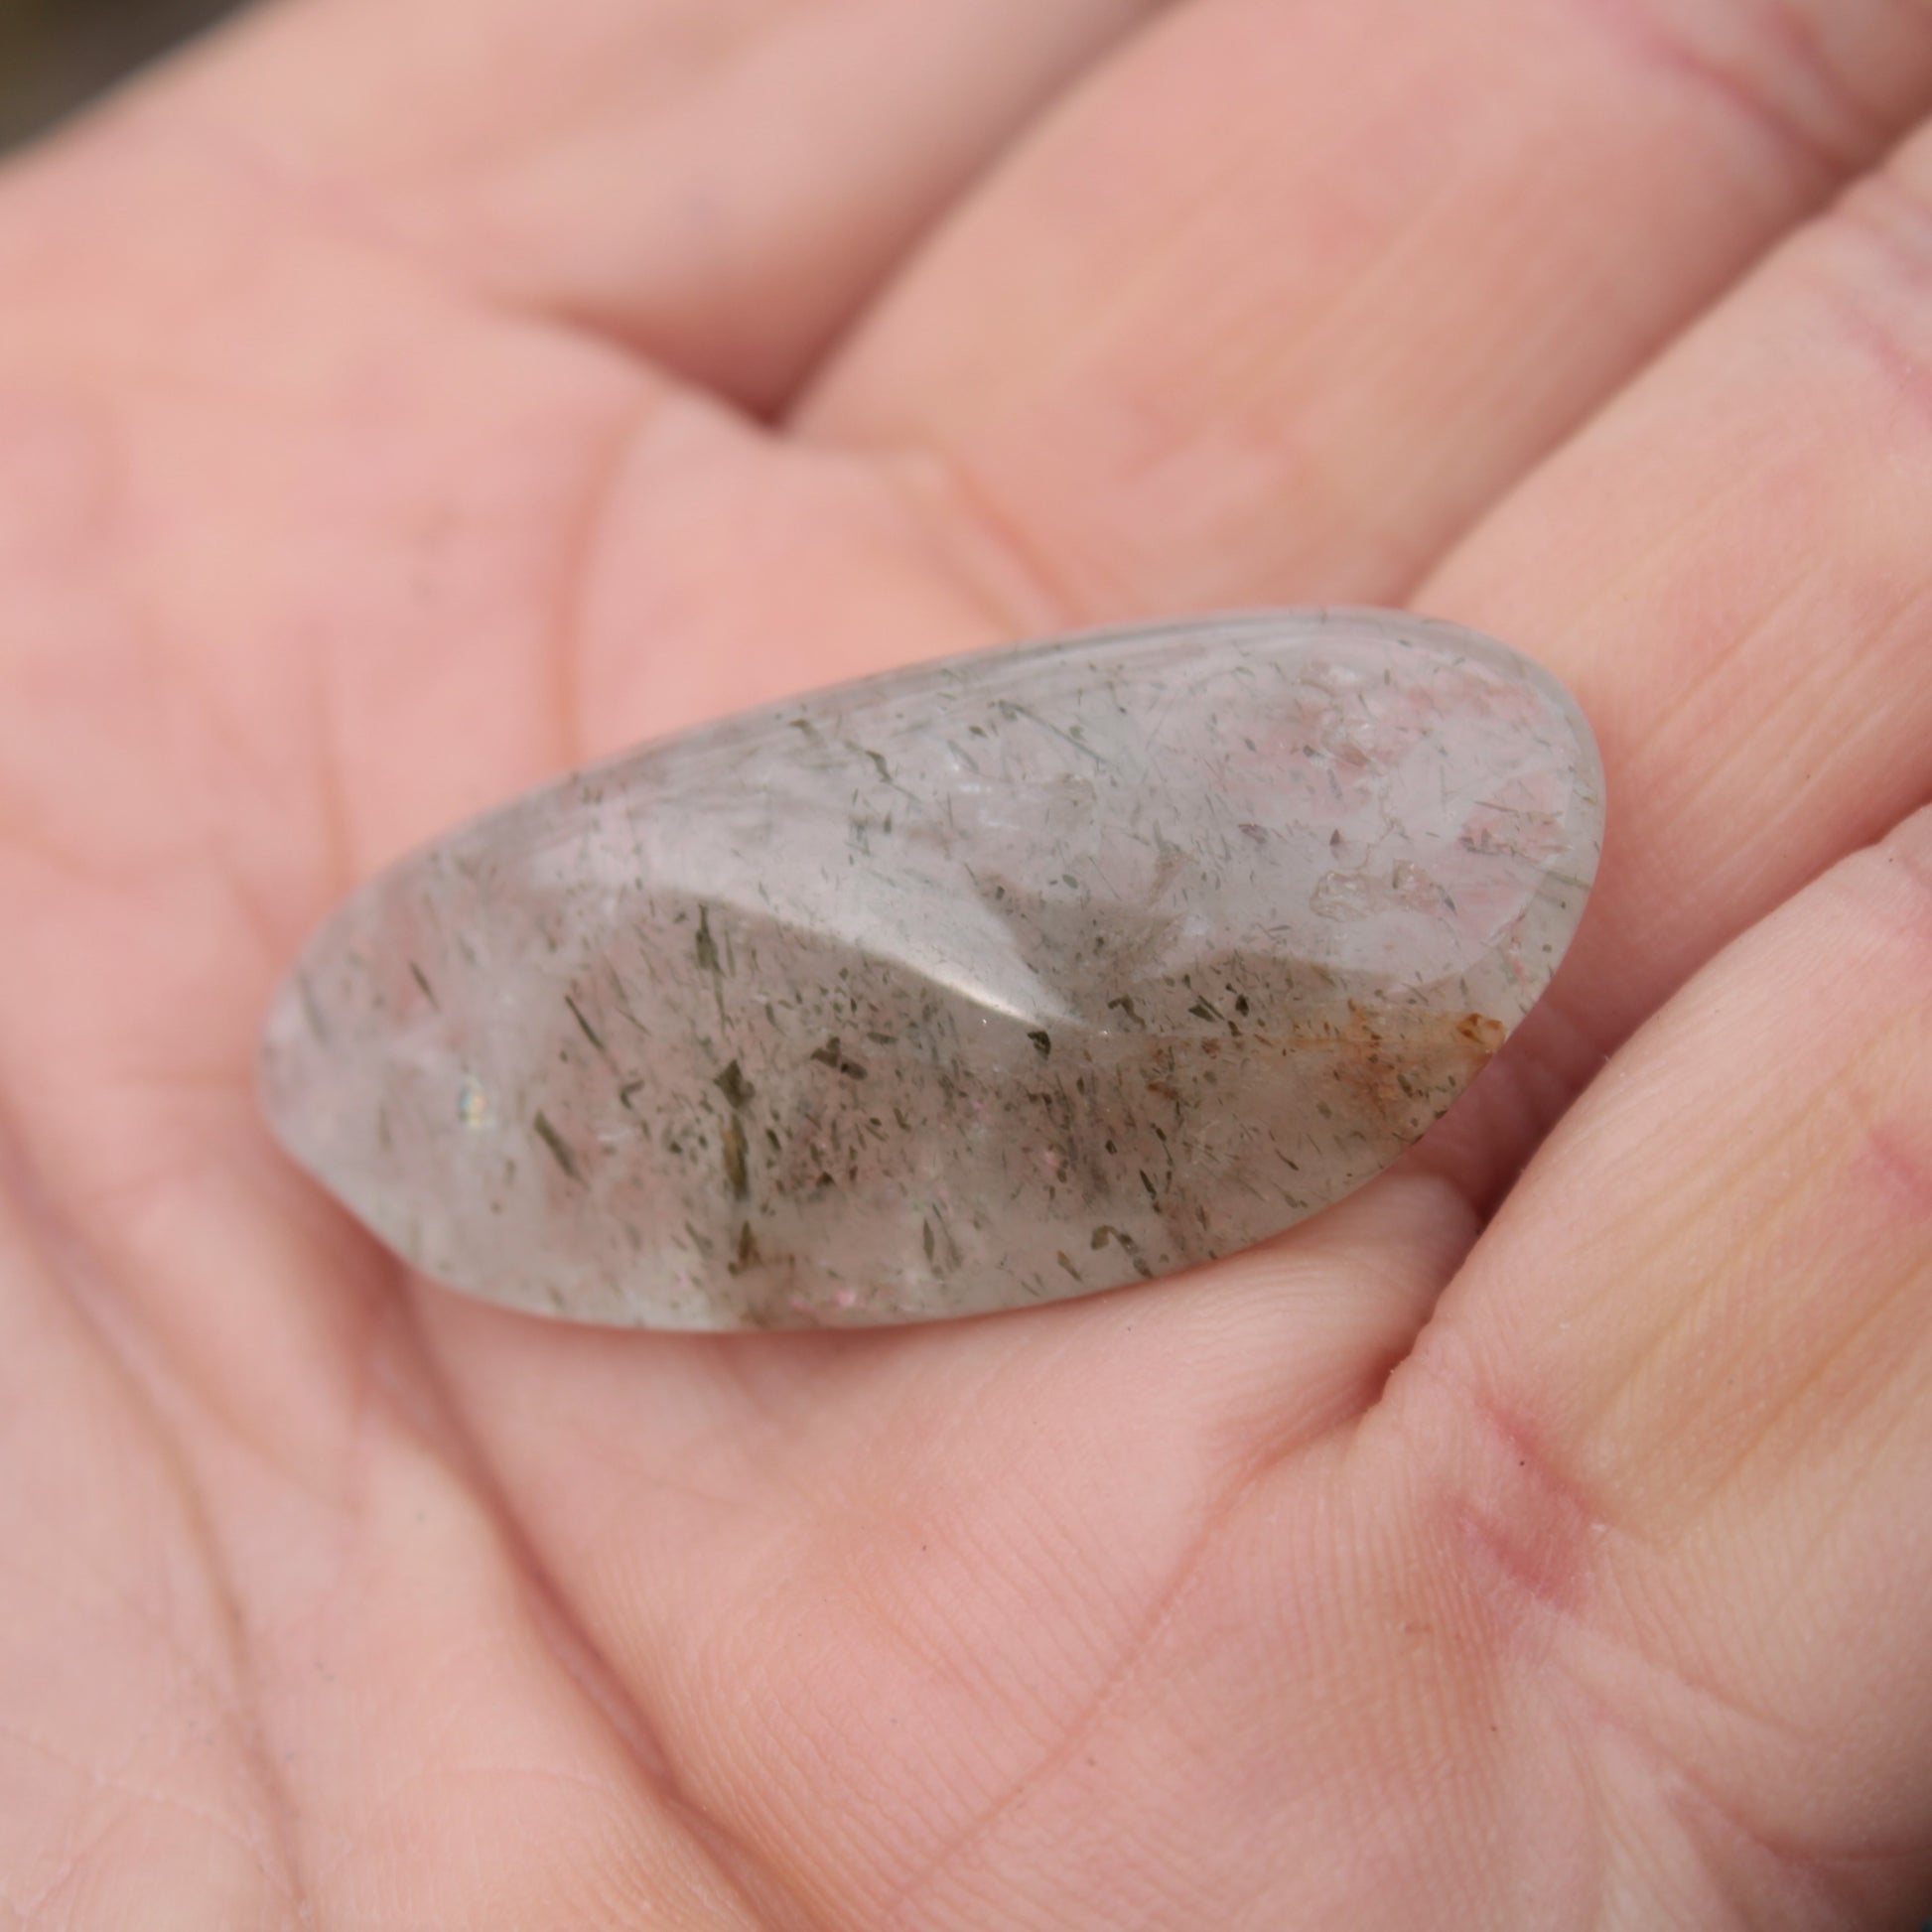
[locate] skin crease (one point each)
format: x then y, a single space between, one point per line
400 401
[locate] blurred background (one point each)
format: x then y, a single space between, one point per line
54 53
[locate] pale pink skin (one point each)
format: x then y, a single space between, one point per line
401 400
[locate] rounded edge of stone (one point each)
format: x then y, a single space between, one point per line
1558 695
750 727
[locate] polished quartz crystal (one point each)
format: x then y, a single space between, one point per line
972 985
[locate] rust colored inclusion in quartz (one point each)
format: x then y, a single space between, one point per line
972 985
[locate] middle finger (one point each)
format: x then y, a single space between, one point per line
1287 294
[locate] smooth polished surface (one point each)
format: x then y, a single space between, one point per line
972 985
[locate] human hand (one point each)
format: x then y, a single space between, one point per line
400 403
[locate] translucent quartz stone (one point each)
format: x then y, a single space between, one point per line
972 985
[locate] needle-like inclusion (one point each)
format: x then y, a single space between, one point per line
972 985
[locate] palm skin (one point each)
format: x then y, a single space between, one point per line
393 410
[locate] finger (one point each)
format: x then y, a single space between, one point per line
1280 301
1730 568
1674 1421
716 182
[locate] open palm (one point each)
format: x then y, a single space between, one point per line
400 401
